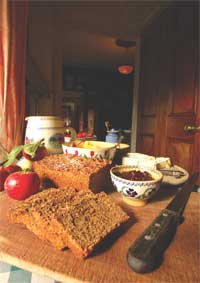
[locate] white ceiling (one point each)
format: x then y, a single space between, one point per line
89 29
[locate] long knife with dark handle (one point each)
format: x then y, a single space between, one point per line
146 253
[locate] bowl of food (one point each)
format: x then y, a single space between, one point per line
90 149
136 185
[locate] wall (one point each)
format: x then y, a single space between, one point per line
44 50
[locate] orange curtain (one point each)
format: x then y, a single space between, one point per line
13 38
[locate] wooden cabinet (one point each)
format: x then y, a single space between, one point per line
169 88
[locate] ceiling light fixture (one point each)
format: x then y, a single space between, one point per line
125 69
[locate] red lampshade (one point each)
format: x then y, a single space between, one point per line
125 69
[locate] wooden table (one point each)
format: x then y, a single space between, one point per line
181 262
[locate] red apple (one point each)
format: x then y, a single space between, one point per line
40 153
81 135
3 175
20 185
12 168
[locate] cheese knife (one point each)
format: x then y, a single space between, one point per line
146 253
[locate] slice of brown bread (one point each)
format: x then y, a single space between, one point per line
38 211
89 221
70 218
74 171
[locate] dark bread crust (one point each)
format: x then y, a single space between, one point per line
70 218
74 171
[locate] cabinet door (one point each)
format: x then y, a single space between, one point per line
183 106
148 94
176 89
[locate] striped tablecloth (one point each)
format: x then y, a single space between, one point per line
13 274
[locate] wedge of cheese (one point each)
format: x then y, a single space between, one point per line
163 163
140 160
145 161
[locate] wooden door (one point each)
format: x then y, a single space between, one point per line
176 90
181 145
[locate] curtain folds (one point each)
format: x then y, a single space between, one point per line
13 39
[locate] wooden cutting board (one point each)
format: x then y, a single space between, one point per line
181 262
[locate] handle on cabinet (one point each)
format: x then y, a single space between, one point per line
191 128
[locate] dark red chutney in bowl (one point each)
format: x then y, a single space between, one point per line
136 185
135 175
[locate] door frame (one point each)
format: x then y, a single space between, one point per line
134 123
135 97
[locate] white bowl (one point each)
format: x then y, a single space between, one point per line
91 149
136 193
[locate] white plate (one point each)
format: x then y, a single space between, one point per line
171 180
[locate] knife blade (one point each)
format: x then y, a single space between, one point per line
146 253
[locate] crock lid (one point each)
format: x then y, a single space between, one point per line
43 118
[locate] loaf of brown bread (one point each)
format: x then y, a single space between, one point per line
70 218
74 171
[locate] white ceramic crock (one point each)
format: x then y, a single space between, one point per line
51 128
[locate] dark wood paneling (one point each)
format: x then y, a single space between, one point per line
180 152
186 14
150 88
184 77
169 85
148 125
147 144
